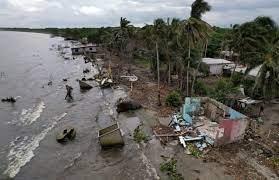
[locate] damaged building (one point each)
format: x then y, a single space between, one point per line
218 123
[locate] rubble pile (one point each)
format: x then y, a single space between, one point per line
202 123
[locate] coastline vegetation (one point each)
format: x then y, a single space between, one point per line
182 43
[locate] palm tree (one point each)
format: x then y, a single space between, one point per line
196 29
268 77
257 44
158 35
121 36
199 7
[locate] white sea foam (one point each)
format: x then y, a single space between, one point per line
29 116
22 149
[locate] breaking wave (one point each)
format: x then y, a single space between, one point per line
29 116
22 149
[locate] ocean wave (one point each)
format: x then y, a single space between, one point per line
29 116
22 149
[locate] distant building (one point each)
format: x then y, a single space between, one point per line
215 66
229 55
81 49
253 73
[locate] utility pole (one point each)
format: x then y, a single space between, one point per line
158 75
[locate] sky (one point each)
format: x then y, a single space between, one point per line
97 13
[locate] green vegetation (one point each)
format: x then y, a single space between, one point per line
170 168
275 161
181 44
173 99
139 135
201 89
223 89
194 151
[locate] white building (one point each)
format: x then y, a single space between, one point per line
215 66
81 49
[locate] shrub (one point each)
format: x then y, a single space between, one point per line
222 89
170 168
200 88
173 99
237 79
139 135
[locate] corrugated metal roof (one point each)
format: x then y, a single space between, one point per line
212 61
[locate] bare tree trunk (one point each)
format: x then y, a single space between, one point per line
196 70
188 67
205 52
169 68
158 75
195 77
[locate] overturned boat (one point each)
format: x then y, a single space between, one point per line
85 86
67 134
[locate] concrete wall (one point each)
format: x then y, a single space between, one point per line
234 123
216 69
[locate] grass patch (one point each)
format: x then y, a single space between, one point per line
170 168
194 151
139 135
145 63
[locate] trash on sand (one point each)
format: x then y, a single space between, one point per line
67 134
106 82
132 78
110 136
65 80
125 106
86 71
182 141
9 99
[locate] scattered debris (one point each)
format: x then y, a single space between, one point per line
65 80
127 105
67 134
9 99
202 123
49 83
86 71
106 82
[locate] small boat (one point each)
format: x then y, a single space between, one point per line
68 133
84 85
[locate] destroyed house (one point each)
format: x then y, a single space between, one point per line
219 123
84 49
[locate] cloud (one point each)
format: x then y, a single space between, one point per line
89 10
96 13
32 5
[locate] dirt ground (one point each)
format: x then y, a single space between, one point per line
255 157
